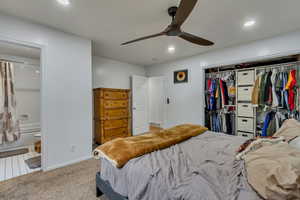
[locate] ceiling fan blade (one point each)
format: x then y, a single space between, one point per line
184 10
195 39
144 38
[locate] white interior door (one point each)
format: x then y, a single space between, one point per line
140 122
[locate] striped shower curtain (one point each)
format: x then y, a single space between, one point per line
9 124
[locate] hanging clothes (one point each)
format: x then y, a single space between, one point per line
269 126
262 89
220 94
267 95
212 100
224 92
228 124
280 118
285 92
297 90
291 80
222 122
290 86
275 101
256 90
279 89
231 89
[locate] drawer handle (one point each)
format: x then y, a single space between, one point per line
246 89
244 135
245 106
245 74
244 120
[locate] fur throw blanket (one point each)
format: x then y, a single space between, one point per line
119 151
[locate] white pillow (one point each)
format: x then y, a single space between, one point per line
295 143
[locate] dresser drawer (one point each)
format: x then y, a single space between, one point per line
245 124
246 77
106 94
115 133
248 135
245 110
244 93
115 114
109 104
116 123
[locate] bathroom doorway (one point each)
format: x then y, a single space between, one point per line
20 100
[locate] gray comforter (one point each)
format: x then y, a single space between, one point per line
201 168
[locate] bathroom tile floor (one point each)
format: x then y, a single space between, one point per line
15 166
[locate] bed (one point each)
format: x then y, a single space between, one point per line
202 167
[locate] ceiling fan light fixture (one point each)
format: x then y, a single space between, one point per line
249 23
171 49
64 2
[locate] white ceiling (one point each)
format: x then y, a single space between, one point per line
110 22
11 49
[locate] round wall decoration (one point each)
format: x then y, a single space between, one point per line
181 76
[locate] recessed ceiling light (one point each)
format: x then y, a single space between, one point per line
249 23
64 2
171 49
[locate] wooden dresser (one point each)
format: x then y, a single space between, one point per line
112 114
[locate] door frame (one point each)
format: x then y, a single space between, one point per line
42 48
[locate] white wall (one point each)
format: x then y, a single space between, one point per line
66 84
109 73
187 100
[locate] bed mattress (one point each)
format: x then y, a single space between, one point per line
203 167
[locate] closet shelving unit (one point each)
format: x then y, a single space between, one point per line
248 116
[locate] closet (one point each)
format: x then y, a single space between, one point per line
276 96
264 96
220 101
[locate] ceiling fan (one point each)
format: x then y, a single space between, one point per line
179 15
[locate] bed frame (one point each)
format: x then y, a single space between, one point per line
104 188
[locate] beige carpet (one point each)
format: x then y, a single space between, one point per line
74 182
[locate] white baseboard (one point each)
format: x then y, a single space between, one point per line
67 163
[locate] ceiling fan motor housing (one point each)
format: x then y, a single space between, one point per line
172 11
173 30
